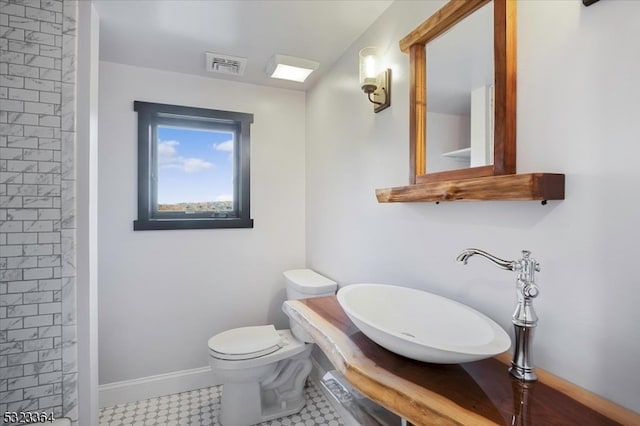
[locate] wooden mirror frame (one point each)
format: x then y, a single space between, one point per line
504 39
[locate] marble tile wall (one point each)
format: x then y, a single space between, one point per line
38 369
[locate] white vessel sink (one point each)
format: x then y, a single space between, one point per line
421 325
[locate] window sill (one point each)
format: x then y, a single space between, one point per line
167 224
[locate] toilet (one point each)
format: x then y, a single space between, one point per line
263 370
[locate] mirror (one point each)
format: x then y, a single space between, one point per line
460 94
492 87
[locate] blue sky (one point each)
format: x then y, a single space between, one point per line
194 165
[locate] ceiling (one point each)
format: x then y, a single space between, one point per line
174 35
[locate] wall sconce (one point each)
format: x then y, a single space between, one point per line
375 82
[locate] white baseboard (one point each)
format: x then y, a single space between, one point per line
154 386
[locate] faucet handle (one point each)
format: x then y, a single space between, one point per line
530 290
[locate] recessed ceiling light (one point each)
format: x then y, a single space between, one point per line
290 68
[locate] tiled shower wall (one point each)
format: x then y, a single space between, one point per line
38 368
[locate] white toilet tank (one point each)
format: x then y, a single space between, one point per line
302 284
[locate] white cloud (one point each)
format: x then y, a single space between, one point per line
192 165
224 146
167 149
168 158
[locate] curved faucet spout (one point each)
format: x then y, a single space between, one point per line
500 263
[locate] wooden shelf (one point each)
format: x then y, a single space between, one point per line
532 186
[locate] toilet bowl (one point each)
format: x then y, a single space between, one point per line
263 370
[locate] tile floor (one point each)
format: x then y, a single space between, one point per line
200 407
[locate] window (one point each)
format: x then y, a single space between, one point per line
193 168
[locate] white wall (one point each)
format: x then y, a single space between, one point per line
578 108
162 294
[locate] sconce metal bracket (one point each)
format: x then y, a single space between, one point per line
381 97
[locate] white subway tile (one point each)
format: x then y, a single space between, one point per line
23 71
40 14
49 167
38 249
11 81
11 129
49 237
39 61
24 47
23 214
38 178
23 238
38 108
37 344
22 286
37 225
23 334
38 321
21 311
10 33
12 106
41 38
8 251
24 23
51 28
51 51
22 118
9 202
38 131
23 382
22 262
50 97
53 5
53 144
38 391
49 120
38 84
40 298
22 358
21 166
11 57
38 274
11 153
22 142
49 74
30 3
49 190
23 94
12 9
48 214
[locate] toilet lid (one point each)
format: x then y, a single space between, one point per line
245 342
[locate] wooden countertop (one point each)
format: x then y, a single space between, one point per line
475 393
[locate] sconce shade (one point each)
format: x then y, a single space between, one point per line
369 69
290 68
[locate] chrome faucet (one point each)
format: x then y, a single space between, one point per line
524 318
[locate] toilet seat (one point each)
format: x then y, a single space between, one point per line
245 343
288 346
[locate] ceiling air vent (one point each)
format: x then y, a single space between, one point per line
223 64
